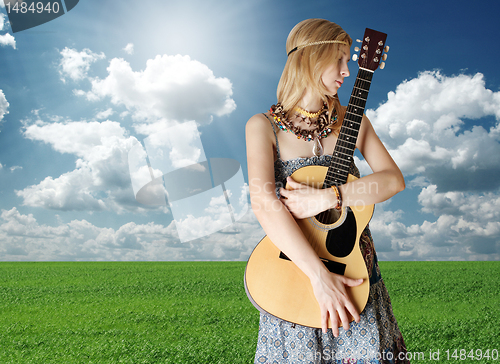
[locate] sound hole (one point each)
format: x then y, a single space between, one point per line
341 241
328 217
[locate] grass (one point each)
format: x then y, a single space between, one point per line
197 312
446 306
125 313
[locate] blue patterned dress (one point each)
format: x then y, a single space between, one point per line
375 339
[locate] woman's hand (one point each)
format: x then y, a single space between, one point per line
304 201
334 303
329 288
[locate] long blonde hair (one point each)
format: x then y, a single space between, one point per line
305 66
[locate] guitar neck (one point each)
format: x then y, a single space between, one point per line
346 144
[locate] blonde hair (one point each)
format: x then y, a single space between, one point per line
310 50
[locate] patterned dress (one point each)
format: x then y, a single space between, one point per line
375 339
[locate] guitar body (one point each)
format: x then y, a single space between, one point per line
276 285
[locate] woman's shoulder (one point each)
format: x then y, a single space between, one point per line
258 119
259 122
259 131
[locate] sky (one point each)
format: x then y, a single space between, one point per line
86 98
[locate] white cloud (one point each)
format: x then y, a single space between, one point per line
77 137
432 105
428 126
7 40
217 215
4 105
13 168
470 206
101 179
129 48
70 191
175 147
104 114
75 65
169 88
450 236
23 238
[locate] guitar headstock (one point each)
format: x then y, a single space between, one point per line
372 49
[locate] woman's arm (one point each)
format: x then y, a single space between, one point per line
280 226
385 181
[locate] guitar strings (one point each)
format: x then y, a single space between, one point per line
350 132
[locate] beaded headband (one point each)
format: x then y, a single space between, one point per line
316 43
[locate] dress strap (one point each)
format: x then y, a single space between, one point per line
275 135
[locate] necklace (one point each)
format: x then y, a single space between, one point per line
322 127
307 114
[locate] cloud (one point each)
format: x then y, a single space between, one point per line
104 114
75 137
443 132
450 237
75 65
4 105
6 39
101 178
217 215
70 191
169 88
129 48
435 101
23 238
176 147
425 124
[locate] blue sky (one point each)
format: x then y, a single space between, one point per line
77 93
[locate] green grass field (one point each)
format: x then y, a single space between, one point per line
197 312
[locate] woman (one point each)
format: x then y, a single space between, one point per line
301 129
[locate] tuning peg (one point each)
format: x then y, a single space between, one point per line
382 65
354 57
359 41
356 49
386 49
384 57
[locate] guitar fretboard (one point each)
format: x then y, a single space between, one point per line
346 144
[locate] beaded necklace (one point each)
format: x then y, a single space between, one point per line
322 130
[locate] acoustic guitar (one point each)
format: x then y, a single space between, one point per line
273 283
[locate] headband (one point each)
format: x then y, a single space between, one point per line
316 43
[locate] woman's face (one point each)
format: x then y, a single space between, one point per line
334 74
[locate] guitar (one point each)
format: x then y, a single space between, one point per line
273 283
